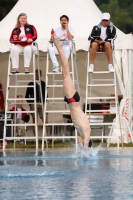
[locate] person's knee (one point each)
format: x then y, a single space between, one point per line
94 46
107 45
67 48
28 49
13 49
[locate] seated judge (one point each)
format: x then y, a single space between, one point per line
22 38
66 34
100 38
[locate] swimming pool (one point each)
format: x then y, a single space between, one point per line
62 175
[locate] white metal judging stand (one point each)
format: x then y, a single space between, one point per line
96 116
54 105
18 79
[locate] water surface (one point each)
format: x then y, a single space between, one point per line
65 175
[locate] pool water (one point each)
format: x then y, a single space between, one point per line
62 175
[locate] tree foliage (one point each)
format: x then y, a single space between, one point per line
121 13
5 7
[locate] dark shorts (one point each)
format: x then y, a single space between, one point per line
75 98
101 48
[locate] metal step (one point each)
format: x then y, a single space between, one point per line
59 98
25 81
27 111
59 124
101 98
26 124
71 124
59 137
102 123
105 137
56 102
100 85
94 80
58 80
58 111
98 52
21 86
101 72
10 74
101 111
51 73
14 99
51 86
15 138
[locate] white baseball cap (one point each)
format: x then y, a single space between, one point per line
106 16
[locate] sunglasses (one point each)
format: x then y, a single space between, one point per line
105 20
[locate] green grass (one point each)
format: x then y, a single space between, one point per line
57 144
60 144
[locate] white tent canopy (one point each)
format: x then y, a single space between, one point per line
44 15
83 15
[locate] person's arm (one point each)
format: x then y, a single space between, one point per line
69 35
34 35
112 35
93 33
14 36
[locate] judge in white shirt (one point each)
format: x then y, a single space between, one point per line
66 34
100 38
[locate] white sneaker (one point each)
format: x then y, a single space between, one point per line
91 68
56 69
111 68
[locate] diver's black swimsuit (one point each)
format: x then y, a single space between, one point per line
75 98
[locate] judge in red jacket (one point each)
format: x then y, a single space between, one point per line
22 38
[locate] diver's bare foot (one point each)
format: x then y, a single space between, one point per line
57 41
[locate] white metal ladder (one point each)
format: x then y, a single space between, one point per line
9 100
53 101
92 82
